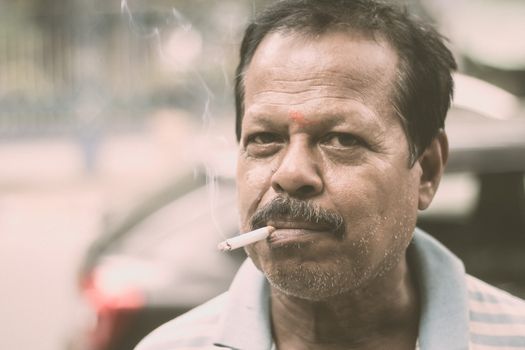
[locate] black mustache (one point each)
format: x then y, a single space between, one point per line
288 208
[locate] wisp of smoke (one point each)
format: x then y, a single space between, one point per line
176 21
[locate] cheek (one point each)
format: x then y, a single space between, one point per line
395 201
353 194
368 200
380 216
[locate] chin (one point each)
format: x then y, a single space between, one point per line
313 282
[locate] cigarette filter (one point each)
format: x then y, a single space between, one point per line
245 239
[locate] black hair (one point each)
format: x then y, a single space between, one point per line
423 90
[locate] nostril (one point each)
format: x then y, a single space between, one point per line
295 191
305 191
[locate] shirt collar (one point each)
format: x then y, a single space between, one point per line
443 295
443 322
246 321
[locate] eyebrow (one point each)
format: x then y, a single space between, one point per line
327 119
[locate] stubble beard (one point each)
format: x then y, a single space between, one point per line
315 281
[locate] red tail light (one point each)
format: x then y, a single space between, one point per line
115 305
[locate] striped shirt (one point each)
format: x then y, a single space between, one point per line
458 311
496 318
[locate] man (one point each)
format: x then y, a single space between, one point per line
340 121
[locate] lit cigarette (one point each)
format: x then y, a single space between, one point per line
245 239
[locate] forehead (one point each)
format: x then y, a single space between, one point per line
292 68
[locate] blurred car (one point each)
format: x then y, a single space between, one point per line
163 260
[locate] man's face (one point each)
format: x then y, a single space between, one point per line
320 143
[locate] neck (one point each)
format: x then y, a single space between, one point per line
384 312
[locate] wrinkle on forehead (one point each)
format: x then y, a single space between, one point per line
322 77
288 77
320 101
270 98
307 90
277 85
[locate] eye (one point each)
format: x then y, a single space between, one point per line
341 140
263 138
263 144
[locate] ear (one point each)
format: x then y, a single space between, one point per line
432 163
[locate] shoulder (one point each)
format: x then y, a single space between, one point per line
193 330
487 296
497 318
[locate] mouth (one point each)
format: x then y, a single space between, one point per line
298 233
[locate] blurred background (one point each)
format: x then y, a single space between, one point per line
117 158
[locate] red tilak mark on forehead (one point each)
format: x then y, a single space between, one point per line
298 117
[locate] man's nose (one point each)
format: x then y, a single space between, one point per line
298 173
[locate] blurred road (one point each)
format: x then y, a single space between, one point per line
51 209
43 236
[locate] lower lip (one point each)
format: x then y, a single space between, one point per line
297 237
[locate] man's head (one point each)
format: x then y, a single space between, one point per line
423 86
332 150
